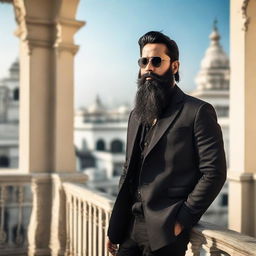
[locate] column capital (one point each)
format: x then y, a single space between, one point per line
48 29
66 28
245 17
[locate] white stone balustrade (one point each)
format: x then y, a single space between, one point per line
15 210
88 213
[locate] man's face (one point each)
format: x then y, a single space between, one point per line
157 50
155 83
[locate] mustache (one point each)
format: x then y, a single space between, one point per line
155 77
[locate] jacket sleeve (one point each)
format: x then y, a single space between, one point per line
124 171
211 163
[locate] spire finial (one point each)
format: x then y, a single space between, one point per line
215 22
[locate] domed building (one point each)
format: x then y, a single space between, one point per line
100 141
212 85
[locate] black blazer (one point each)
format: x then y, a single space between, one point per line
183 170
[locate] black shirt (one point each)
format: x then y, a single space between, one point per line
145 136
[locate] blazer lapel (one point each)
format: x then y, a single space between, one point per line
167 118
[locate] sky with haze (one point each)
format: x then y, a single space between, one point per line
106 63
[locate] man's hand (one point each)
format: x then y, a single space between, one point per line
112 248
177 228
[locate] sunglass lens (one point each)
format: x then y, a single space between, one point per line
156 61
143 62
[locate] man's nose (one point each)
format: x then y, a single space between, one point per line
149 67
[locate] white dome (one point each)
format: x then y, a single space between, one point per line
214 56
214 71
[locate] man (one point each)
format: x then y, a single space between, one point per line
175 162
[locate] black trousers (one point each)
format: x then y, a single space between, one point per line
137 244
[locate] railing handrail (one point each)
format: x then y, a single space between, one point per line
231 242
92 196
213 238
14 176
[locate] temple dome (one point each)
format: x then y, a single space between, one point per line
215 57
214 70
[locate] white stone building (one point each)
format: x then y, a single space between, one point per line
100 140
212 83
9 118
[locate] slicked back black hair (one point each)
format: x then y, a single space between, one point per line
155 37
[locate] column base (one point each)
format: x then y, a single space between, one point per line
242 206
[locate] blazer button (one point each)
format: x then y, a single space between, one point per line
146 144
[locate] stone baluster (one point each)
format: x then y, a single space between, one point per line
105 223
72 226
94 230
19 238
194 246
89 229
100 233
85 227
76 227
211 250
79 228
3 197
68 225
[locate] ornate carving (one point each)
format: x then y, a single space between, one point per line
245 18
20 14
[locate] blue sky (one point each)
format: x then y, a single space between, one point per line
107 60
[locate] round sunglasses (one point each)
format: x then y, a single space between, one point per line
155 61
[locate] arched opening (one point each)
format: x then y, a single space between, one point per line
4 161
100 145
116 146
16 94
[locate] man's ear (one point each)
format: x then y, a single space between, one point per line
175 66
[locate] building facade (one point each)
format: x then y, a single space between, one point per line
100 141
9 118
212 85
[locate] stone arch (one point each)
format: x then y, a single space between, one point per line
117 146
100 145
16 94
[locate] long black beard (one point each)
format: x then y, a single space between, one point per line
153 95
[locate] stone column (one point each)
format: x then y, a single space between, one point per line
46 30
242 198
